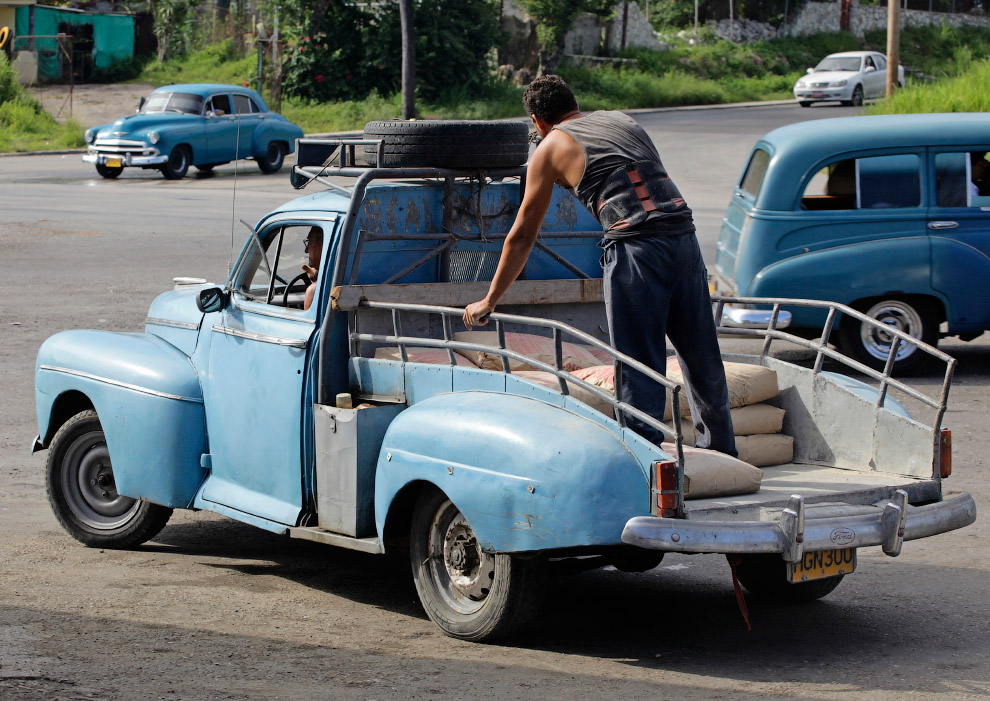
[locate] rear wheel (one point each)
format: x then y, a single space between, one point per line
177 165
83 494
470 594
273 158
765 578
109 172
871 345
448 143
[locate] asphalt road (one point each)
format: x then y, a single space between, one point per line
216 609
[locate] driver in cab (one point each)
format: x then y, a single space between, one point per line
313 247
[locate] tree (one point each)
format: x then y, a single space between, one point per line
170 18
554 19
408 59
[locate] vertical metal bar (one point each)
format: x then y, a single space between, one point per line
352 329
620 416
675 408
558 360
772 327
940 412
823 341
500 330
397 327
362 236
719 310
448 335
887 369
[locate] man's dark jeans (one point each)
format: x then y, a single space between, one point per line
656 286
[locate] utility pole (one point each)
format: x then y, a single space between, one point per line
893 45
408 60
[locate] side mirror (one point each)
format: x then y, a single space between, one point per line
209 114
212 300
141 104
810 70
869 69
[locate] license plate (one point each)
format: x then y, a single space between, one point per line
821 564
817 94
114 163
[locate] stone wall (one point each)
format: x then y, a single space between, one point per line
815 17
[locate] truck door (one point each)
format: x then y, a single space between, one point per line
258 374
959 228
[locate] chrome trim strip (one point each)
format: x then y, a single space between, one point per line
128 143
265 312
155 321
298 216
290 342
117 383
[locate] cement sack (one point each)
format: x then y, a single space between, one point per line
540 348
604 376
766 449
431 356
548 379
748 384
708 473
750 420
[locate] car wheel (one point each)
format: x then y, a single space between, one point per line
448 144
274 156
857 96
177 165
804 104
870 345
765 578
109 172
83 494
470 594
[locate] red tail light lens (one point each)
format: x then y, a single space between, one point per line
666 481
945 453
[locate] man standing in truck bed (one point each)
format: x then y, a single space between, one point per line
655 280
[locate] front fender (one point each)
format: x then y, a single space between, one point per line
149 402
527 475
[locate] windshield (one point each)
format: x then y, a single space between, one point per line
185 103
849 63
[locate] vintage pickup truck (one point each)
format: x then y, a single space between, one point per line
320 423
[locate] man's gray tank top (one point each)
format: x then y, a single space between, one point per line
624 184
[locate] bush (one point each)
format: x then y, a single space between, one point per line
968 92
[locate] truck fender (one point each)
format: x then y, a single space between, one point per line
962 273
527 475
848 273
149 401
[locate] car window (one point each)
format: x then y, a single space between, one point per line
220 104
244 104
833 63
263 279
752 178
880 61
186 103
869 62
962 179
878 182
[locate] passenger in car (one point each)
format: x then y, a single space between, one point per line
313 247
979 169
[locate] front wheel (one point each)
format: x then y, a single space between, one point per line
272 161
470 594
870 344
177 165
109 172
765 578
83 494
857 96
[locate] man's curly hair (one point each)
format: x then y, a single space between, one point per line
549 98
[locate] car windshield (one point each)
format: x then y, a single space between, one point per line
832 63
185 103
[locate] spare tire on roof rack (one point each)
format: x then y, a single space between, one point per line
448 143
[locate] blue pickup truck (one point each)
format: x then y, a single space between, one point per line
332 423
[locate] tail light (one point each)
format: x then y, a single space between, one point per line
945 453
666 481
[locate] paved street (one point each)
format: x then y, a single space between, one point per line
213 609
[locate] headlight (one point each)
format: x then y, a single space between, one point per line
153 137
800 84
839 83
90 136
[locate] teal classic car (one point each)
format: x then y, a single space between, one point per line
887 214
201 125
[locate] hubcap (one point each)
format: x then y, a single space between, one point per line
896 315
462 571
89 487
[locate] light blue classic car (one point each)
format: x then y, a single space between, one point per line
199 125
364 421
887 214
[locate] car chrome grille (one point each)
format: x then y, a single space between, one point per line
818 85
124 146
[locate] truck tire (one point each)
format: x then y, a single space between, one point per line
448 144
83 495
915 316
765 578
469 594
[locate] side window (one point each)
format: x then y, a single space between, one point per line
244 104
962 179
880 61
868 62
220 104
264 277
879 182
752 179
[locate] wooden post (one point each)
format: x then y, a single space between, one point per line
893 45
408 59
625 23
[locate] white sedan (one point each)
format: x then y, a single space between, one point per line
849 77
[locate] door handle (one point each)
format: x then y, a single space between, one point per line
936 225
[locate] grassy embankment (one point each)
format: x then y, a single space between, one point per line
24 125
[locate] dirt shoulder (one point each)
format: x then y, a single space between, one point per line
91 104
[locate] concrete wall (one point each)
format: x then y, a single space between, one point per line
817 17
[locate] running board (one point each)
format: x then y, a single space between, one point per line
318 535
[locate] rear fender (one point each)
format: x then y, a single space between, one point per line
149 402
527 475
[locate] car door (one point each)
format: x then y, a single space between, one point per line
873 78
221 129
258 392
248 119
959 227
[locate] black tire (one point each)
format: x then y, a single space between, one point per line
82 493
857 96
804 104
448 144
495 594
273 158
765 578
177 165
109 172
870 346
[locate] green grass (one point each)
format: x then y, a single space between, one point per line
24 125
217 63
967 92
